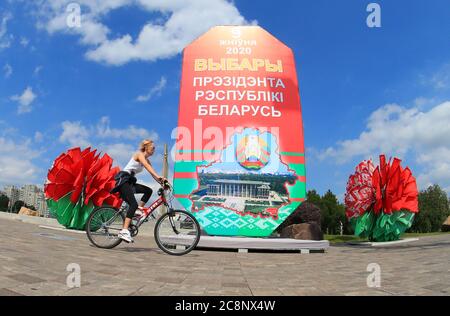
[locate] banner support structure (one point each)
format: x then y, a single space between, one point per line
165 173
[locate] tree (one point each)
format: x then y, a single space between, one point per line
313 197
4 203
333 213
433 210
17 205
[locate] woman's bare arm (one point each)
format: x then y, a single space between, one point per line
141 158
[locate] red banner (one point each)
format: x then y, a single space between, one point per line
240 147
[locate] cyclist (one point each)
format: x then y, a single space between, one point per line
127 186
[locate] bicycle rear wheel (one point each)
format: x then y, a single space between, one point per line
177 232
103 226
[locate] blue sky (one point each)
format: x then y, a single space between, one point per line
115 80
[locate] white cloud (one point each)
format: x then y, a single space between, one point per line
75 134
120 152
185 20
104 130
38 137
398 131
155 90
78 135
5 38
24 41
8 70
16 166
437 162
25 100
37 70
439 80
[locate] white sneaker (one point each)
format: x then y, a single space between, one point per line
139 212
124 234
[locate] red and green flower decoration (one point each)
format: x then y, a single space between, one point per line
77 182
381 201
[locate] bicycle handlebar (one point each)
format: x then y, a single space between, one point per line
166 185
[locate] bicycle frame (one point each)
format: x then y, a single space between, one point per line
158 202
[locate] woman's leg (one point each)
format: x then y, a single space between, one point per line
127 193
145 190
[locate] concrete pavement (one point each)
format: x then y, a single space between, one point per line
34 261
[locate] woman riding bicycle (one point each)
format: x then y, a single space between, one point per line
127 186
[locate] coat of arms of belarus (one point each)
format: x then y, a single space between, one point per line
252 152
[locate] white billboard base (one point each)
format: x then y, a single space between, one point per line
244 244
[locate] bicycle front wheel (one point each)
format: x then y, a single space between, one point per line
103 226
177 232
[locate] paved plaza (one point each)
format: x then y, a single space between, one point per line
34 260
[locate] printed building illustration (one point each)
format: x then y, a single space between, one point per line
250 189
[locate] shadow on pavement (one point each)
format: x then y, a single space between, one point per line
153 250
429 245
138 249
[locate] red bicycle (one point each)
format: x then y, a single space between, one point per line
176 232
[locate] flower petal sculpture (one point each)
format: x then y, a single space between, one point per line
381 202
360 191
77 182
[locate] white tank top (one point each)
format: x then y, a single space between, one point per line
134 166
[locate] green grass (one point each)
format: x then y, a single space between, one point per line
335 239
425 234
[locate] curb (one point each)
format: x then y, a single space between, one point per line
381 244
63 229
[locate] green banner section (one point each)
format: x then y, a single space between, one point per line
185 186
287 153
220 221
188 166
382 227
299 168
70 215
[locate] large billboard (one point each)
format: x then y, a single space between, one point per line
239 154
